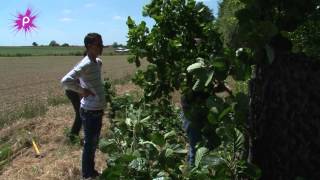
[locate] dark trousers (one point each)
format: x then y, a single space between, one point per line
92 122
194 136
75 100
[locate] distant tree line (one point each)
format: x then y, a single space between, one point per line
52 43
116 45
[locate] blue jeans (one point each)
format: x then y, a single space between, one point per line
194 136
92 122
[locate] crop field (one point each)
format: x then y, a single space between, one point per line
11 51
24 79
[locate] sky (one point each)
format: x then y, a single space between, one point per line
68 21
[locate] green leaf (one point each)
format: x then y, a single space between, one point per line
201 152
212 117
177 43
131 59
119 168
195 66
239 140
214 110
162 176
241 71
169 152
224 112
219 63
5 152
107 145
201 10
151 143
139 164
181 151
196 85
210 76
158 139
128 121
113 172
146 119
130 22
145 11
213 159
170 134
214 101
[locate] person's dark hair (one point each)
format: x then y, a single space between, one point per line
89 39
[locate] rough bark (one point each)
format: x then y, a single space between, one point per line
285 118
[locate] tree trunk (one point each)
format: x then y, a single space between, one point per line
284 120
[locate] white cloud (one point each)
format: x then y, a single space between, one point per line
66 19
119 18
89 5
203 0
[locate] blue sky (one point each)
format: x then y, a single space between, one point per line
68 21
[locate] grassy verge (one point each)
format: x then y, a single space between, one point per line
55 100
124 80
32 108
28 110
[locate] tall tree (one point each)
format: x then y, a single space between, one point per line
185 53
306 37
34 44
171 45
284 98
227 22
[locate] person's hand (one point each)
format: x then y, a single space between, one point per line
87 93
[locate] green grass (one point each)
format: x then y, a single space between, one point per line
21 51
55 100
123 80
33 108
5 153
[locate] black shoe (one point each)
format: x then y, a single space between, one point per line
95 175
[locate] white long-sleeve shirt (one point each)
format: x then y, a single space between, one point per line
89 74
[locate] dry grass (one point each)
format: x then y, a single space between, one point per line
61 160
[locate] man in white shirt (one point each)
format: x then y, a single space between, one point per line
88 71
